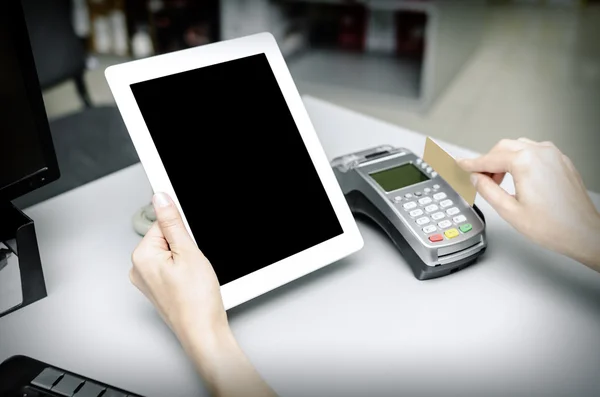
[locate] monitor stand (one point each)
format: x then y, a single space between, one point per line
17 232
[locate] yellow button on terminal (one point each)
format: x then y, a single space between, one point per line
451 233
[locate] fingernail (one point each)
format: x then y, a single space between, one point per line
474 179
161 200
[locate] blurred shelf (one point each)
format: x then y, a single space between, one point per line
393 5
97 60
428 42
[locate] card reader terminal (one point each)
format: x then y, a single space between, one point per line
434 228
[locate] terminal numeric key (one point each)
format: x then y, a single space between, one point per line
415 213
439 196
444 224
437 216
429 229
452 211
409 206
431 208
423 221
459 219
446 203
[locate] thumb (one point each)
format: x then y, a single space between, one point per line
169 221
505 204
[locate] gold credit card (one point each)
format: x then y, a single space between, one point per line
445 165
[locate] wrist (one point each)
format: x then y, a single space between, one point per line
205 341
587 250
222 364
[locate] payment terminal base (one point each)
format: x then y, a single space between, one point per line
360 205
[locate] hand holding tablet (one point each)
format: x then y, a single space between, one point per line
222 129
177 278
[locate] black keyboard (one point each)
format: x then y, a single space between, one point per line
22 376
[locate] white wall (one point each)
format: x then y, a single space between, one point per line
454 34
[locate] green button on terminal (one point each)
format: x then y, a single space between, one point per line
466 227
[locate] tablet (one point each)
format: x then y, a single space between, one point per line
223 130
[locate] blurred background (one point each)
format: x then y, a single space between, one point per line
468 72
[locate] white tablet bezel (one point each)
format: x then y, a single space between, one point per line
120 77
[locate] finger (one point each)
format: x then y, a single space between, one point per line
498 178
153 240
493 162
532 142
569 163
505 204
495 177
548 144
153 232
508 145
527 140
170 222
503 147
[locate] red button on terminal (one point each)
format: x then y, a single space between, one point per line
436 238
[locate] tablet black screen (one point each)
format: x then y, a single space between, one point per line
238 164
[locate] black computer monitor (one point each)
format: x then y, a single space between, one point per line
27 157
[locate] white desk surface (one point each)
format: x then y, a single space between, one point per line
522 322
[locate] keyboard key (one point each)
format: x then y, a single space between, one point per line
415 213
444 224
29 391
436 238
434 174
410 206
437 216
418 194
467 227
47 378
429 169
113 393
423 221
408 195
451 233
67 385
459 219
431 208
418 161
446 203
427 190
397 199
439 196
429 229
425 200
436 187
452 211
89 389
424 165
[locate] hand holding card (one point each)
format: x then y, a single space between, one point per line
445 165
551 205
